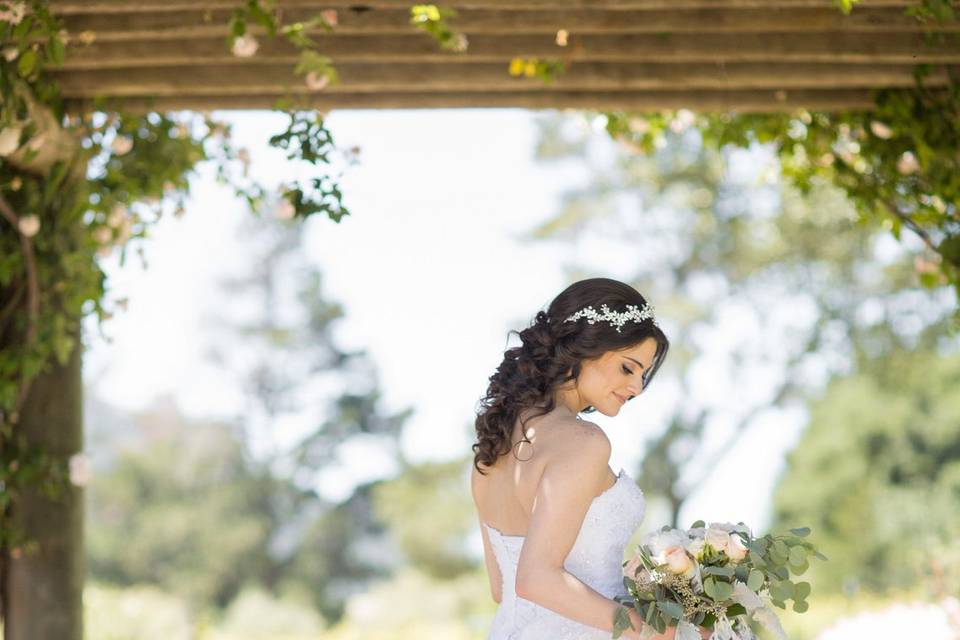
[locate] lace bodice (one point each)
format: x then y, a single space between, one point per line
596 559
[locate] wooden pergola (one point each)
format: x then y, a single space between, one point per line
749 55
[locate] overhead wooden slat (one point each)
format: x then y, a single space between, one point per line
156 25
705 101
65 7
707 54
467 77
826 47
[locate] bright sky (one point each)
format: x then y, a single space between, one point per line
431 277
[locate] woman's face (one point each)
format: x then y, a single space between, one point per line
609 381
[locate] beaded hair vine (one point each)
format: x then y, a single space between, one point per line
633 312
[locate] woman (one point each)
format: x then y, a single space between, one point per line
554 517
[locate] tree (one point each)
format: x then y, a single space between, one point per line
876 474
275 337
715 241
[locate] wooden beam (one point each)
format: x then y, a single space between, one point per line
113 27
823 47
68 7
722 101
473 77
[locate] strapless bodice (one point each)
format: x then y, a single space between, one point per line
596 558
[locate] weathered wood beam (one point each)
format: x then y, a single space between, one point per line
111 27
745 101
470 77
824 47
67 7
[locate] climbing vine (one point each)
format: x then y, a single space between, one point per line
78 188
897 163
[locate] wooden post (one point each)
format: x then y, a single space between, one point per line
44 591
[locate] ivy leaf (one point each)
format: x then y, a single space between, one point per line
27 63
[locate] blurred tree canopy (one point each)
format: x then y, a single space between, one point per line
877 475
726 250
205 508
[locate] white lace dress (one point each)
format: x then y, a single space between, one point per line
596 559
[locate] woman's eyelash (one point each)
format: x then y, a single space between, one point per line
627 370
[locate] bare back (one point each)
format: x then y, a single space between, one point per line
505 496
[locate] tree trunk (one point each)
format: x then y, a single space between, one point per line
43 591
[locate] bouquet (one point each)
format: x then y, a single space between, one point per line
719 577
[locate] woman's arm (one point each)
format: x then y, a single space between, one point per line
576 472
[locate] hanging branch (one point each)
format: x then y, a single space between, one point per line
33 300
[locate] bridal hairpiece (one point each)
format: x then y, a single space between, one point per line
633 312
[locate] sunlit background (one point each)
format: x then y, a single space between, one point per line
280 421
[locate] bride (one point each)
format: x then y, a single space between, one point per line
554 517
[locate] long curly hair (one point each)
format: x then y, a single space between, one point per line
530 373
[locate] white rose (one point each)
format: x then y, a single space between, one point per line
678 560
736 550
659 541
717 537
695 546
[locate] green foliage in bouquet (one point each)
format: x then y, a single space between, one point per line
701 584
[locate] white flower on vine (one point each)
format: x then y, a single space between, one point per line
9 140
102 235
881 130
682 121
10 53
29 225
907 163
117 215
245 46
122 145
315 82
79 469
12 12
329 16
459 43
36 142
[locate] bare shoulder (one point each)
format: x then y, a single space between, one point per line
579 443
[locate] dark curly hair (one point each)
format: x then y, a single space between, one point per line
550 347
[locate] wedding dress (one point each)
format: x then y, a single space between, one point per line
596 559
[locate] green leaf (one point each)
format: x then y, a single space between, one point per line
621 622
800 606
672 609
27 63
797 555
801 590
710 588
803 532
699 524
723 590
755 581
